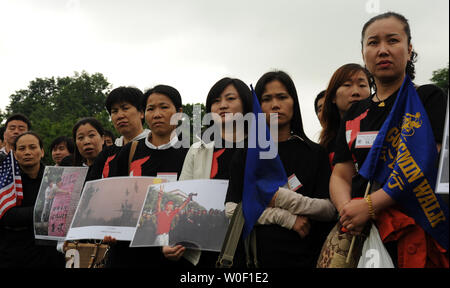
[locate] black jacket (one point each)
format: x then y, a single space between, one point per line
18 247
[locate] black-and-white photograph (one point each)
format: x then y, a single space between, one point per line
190 213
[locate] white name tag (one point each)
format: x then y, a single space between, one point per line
365 139
294 183
348 135
170 177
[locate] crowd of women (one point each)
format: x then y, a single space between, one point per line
357 99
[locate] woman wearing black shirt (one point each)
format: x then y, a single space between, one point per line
349 84
211 158
18 248
125 106
389 56
295 242
156 153
88 136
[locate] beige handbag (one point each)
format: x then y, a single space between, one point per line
336 248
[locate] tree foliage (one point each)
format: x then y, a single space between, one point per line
440 78
54 105
188 109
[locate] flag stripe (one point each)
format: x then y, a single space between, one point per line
11 190
6 193
7 204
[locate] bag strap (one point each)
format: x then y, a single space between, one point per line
132 151
231 240
93 256
250 250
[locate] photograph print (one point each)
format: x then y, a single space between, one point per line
57 201
443 173
110 207
190 213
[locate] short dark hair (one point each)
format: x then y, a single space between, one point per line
63 139
169 91
41 144
121 94
108 133
19 117
244 93
410 66
318 97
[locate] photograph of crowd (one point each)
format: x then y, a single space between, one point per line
174 214
110 202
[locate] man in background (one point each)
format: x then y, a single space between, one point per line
14 126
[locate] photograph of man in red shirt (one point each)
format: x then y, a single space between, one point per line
164 218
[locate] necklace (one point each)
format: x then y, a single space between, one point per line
381 102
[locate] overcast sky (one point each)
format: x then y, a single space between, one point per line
191 44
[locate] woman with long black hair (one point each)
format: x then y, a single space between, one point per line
211 158
284 237
349 84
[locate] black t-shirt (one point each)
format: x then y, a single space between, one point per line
220 169
105 163
67 161
331 150
149 161
18 248
146 161
367 116
278 246
221 161
22 215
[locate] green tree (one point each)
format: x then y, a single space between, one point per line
55 105
188 109
440 78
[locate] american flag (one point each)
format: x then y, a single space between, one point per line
11 193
